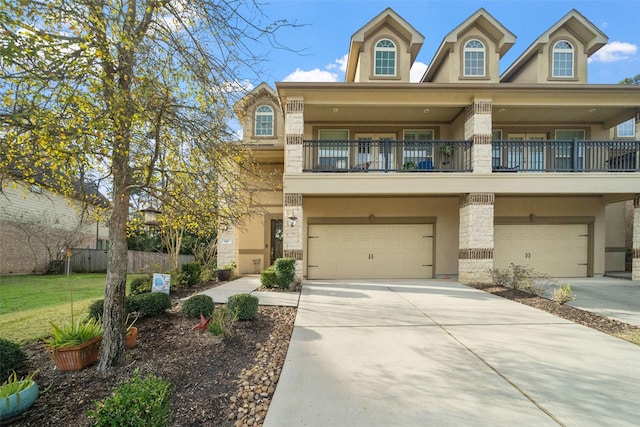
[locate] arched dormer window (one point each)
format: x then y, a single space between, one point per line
474 59
264 121
385 57
562 59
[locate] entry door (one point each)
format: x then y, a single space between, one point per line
371 153
532 152
276 240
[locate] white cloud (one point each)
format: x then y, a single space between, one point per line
339 63
417 71
615 51
315 75
328 74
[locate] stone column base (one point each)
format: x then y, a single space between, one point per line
635 269
475 271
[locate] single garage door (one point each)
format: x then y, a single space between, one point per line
370 251
559 250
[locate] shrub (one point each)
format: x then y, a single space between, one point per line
140 285
197 305
268 277
523 278
563 294
97 307
245 305
149 304
12 357
285 271
137 402
190 274
222 321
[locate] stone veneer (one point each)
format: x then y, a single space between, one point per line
293 159
635 275
475 257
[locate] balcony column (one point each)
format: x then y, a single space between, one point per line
475 256
293 230
294 135
478 128
635 269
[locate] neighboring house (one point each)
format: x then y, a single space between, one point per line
467 171
36 225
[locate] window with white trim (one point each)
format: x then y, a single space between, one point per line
565 149
417 153
626 129
474 58
334 154
264 121
385 58
562 59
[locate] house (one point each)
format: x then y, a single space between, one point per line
37 225
466 171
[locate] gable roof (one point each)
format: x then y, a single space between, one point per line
387 17
251 97
583 29
487 23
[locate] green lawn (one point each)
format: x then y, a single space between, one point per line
29 303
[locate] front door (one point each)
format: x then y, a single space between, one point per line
276 240
373 153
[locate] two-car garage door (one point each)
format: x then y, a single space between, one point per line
559 250
338 251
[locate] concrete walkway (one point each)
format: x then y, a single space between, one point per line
248 285
435 352
611 297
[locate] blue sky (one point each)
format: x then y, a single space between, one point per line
323 41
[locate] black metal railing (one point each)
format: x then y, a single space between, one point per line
386 156
565 156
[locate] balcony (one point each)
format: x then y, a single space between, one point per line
565 156
362 156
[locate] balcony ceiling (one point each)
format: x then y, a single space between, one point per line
516 104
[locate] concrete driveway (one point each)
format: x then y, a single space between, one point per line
435 352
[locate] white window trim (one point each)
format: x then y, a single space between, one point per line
475 49
376 49
273 121
632 121
553 59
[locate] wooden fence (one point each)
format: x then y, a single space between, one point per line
95 261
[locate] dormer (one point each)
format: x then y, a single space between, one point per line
560 54
261 117
383 50
471 52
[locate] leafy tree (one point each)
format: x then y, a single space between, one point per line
631 80
134 95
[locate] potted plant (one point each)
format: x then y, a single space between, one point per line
409 165
224 273
17 395
76 344
131 337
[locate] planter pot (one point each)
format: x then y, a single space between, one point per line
132 337
19 402
77 357
224 275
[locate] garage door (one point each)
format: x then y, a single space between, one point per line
370 251
557 250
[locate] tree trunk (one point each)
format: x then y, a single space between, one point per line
112 350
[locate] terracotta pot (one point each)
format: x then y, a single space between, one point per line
132 337
17 403
78 356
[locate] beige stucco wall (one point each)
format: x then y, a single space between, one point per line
563 207
615 236
365 67
444 210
